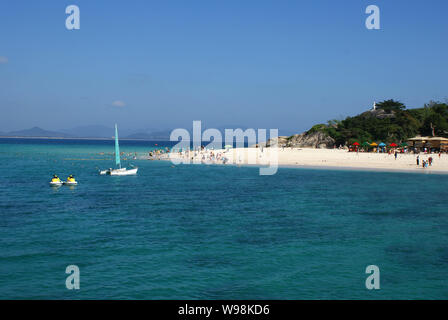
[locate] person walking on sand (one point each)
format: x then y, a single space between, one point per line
430 161
418 160
396 155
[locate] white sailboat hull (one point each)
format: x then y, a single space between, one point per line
122 172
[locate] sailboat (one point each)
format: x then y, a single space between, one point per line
119 171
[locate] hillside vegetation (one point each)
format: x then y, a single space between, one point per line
390 122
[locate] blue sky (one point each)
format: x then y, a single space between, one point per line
261 64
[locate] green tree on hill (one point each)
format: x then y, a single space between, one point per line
390 122
391 105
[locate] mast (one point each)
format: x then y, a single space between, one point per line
117 148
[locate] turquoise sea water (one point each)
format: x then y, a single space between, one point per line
214 232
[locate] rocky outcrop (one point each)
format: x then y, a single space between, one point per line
315 139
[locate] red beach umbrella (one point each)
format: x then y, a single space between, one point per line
356 144
393 145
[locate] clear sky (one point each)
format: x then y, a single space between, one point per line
261 64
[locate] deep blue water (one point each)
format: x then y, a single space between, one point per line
214 232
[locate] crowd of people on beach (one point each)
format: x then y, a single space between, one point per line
159 154
425 163
198 154
202 155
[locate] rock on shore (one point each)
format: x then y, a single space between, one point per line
317 139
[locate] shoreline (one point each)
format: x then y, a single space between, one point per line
328 168
369 169
308 158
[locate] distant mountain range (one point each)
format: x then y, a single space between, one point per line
87 132
97 131
36 132
90 132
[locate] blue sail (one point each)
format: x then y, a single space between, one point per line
117 148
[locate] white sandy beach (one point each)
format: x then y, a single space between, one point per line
304 157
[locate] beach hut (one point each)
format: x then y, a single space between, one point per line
438 143
433 143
